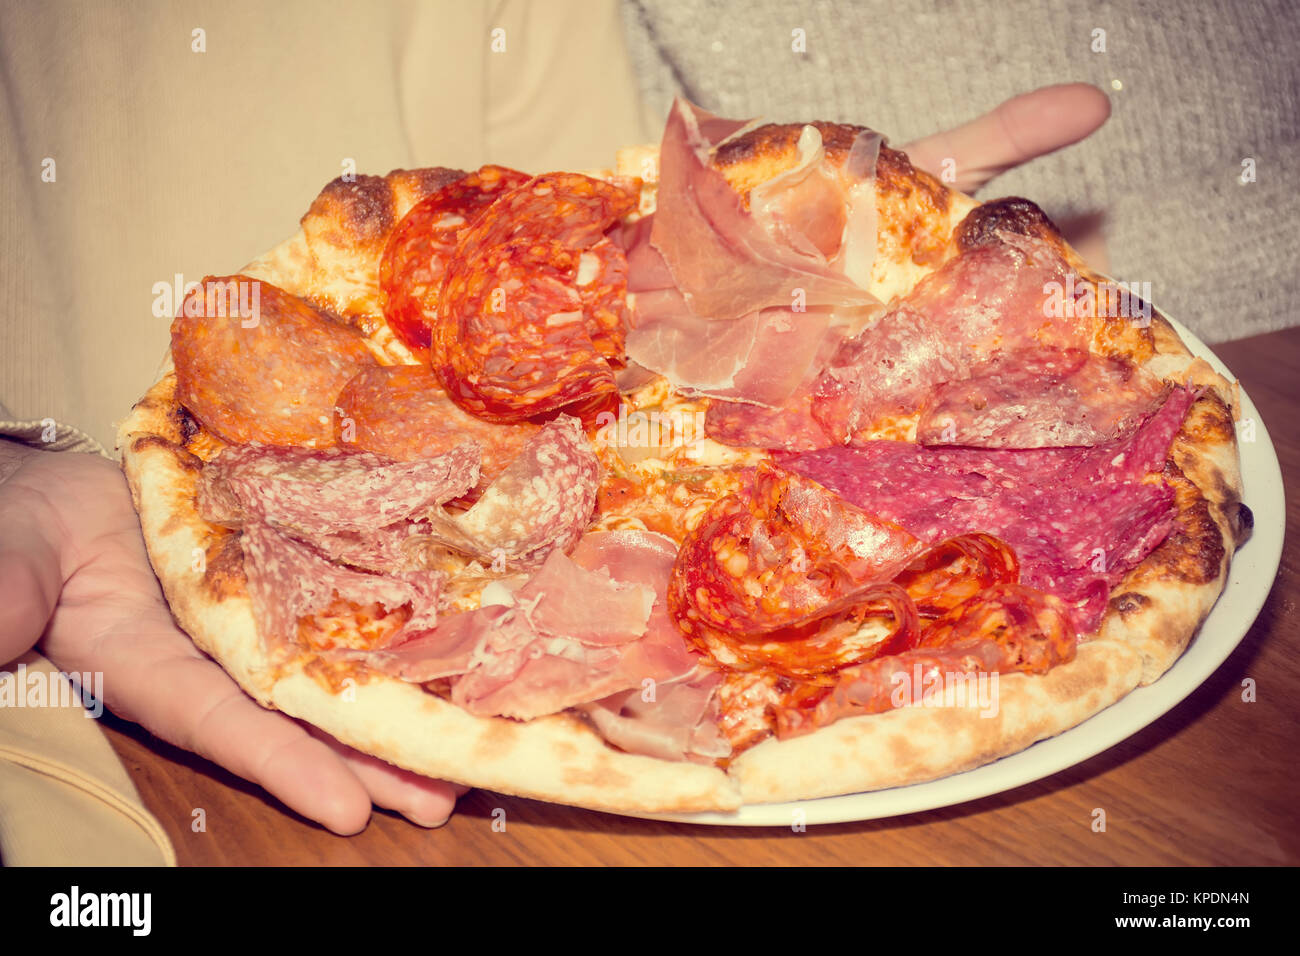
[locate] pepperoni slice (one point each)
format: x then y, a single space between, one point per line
602 286
270 375
419 249
402 412
1009 628
956 570
516 337
784 578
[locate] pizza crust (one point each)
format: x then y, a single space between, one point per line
1153 614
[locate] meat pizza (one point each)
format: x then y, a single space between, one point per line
740 473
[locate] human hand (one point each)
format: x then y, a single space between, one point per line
73 568
1022 128
1018 130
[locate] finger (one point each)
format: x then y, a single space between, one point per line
190 702
270 750
1023 128
31 574
422 800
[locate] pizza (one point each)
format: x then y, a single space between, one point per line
761 467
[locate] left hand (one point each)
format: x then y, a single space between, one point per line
74 573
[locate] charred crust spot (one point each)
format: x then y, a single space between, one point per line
896 175
223 575
425 182
1209 422
185 423
1242 520
363 208
1014 215
1194 550
1130 602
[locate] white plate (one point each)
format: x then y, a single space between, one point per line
1250 579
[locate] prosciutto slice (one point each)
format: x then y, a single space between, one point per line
732 301
677 722
579 630
728 261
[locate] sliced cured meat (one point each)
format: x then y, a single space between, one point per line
1077 518
955 571
329 491
1009 628
601 281
516 337
270 375
677 722
402 412
729 260
542 501
760 358
788 427
784 577
556 648
985 301
646 269
1036 398
416 256
295 592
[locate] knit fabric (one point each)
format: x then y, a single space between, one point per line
1197 89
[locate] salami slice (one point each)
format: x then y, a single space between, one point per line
402 412
309 491
515 337
269 376
295 592
1039 398
1078 518
543 501
419 249
601 280
985 300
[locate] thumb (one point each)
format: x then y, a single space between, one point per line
1023 128
31 574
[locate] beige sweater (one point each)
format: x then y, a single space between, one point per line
166 160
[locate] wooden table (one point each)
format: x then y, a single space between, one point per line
1211 782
